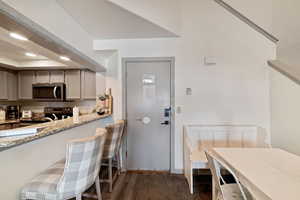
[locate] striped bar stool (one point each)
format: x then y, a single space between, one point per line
112 152
71 177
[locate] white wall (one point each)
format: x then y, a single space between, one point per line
100 83
165 13
113 76
286 25
55 19
279 18
285 109
122 24
236 90
260 12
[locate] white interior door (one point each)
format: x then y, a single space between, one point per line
148 114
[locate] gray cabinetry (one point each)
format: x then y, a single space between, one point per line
88 85
57 77
3 85
42 77
12 86
26 79
73 84
50 76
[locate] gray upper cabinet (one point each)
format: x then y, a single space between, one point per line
3 85
12 86
57 76
42 77
26 79
88 85
73 84
50 76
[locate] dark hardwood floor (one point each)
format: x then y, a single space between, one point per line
150 186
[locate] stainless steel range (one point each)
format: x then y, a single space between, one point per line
57 113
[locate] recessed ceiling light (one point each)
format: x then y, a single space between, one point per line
30 54
18 37
64 58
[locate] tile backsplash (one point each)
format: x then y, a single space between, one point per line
39 106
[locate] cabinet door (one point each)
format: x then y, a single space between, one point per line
88 84
73 80
42 77
12 86
3 85
57 77
26 79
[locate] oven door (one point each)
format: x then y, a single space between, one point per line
48 92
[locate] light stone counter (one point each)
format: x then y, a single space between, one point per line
9 121
46 129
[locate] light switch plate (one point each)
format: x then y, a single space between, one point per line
209 60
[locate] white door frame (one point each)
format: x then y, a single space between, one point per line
172 97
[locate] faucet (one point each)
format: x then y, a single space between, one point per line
55 117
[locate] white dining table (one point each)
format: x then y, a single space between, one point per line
268 173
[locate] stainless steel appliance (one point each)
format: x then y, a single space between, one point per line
26 114
57 113
12 112
49 92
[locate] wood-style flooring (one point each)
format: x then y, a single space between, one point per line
150 186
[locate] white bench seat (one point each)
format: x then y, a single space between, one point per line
198 138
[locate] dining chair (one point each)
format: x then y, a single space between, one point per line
224 190
72 176
111 155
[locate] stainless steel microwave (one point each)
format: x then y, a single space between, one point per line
49 92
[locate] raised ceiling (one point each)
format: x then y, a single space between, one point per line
41 42
13 52
104 20
17 54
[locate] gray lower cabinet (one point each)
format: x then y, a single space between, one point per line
26 79
73 84
12 86
88 85
3 85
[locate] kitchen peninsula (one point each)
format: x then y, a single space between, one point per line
23 157
47 129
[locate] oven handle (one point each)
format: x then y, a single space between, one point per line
54 92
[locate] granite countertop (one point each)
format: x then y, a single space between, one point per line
9 121
46 129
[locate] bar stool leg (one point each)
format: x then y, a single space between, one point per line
110 175
118 163
98 189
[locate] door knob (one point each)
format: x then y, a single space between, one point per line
144 120
165 123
